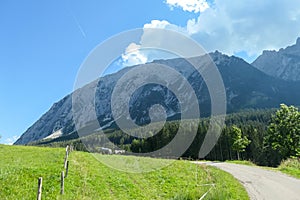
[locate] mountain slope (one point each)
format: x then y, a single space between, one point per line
246 87
58 117
284 64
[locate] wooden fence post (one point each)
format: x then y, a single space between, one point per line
67 169
65 162
66 157
62 183
40 184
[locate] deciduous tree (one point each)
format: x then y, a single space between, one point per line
239 142
284 132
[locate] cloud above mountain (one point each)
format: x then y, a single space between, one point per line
133 55
232 27
189 5
248 25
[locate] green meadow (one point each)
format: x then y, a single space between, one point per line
88 178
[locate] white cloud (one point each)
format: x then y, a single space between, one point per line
231 27
195 6
133 55
157 24
11 140
151 37
240 26
141 53
249 25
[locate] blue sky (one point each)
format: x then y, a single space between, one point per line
43 43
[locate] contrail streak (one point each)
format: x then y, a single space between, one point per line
78 25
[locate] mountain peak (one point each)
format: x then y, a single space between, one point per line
298 41
284 64
217 56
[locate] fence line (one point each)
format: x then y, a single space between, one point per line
62 177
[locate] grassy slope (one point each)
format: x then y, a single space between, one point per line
21 166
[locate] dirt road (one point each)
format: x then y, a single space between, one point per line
262 184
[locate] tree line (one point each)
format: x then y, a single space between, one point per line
265 137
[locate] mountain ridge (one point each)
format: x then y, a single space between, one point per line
246 87
284 64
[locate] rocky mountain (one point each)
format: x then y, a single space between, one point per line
284 64
246 87
58 117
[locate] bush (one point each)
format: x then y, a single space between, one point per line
290 163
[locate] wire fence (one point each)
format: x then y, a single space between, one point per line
63 175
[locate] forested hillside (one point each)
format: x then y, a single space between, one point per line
249 135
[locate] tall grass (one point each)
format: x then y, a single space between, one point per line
291 166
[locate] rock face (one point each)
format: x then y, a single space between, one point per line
58 117
246 87
284 64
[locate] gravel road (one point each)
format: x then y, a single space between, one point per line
262 184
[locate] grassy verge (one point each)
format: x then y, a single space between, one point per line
88 178
242 162
290 167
